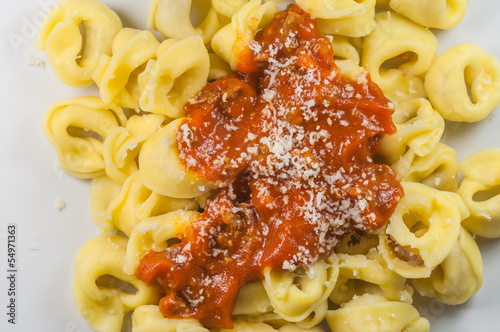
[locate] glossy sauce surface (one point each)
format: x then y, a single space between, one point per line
291 145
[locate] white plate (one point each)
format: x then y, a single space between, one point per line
48 240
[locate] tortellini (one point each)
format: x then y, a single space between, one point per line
344 49
135 202
352 26
123 144
295 295
480 192
179 73
154 233
102 192
228 7
162 170
398 67
419 126
456 69
376 313
422 231
361 274
458 277
437 169
148 318
332 8
234 41
117 76
74 57
173 19
126 142
103 292
76 128
252 300
442 14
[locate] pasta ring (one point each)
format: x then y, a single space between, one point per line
400 37
482 176
447 89
458 277
414 242
60 36
80 153
179 73
104 306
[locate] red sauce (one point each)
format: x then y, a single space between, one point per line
291 145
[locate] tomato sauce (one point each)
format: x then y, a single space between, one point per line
291 145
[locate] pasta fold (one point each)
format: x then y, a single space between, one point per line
447 81
442 14
376 313
77 127
422 231
330 9
295 295
74 56
480 192
360 274
117 75
235 40
103 292
162 170
154 233
148 318
458 277
419 128
123 144
173 19
351 26
102 192
179 73
438 169
400 66
135 202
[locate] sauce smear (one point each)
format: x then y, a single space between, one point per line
291 145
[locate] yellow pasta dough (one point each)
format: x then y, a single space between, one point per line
442 14
117 75
453 73
351 26
333 8
480 192
76 128
398 67
142 190
360 274
179 73
173 19
123 144
154 233
376 313
458 277
61 38
135 202
437 169
294 295
422 231
162 170
99 285
419 127
233 39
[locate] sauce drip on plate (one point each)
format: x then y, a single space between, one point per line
291 145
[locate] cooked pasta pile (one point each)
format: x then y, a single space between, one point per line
144 198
